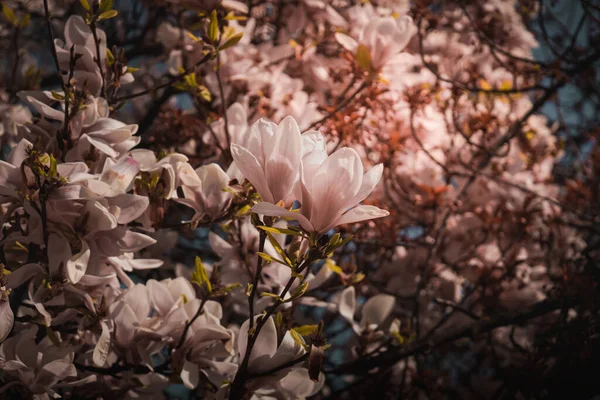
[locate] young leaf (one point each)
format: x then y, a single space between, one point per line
213 29
268 258
232 41
297 338
200 277
273 295
283 231
279 249
110 57
300 290
305 330
85 4
108 15
25 20
105 5
9 14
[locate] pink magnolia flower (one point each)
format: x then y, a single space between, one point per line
79 35
384 37
373 313
266 354
41 367
204 189
331 193
271 158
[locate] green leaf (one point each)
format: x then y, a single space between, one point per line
57 95
213 29
305 330
232 41
268 258
110 57
273 295
108 15
85 4
105 5
53 172
297 338
279 249
329 263
283 231
300 290
9 14
200 277
363 57
25 20
244 210
204 93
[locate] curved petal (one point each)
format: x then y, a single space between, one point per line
376 310
131 206
23 274
7 319
252 170
370 180
282 158
357 214
77 264
160 298
334 186
102 348
347 304
265 344
347 42
190 375
272 210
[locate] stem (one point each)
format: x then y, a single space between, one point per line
13 74
190 322
340 107
259 261
363 366
93 26
54 55
242 375
223 105
171 81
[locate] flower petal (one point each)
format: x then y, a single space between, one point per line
347 304
272 210
265 344
360 213
7 319
376 310
252 170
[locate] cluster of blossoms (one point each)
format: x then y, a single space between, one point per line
268 137
79 204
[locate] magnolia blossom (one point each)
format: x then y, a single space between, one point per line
266 355
205 189
383 37
78 36
373 313
41 367
331 192
271 158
